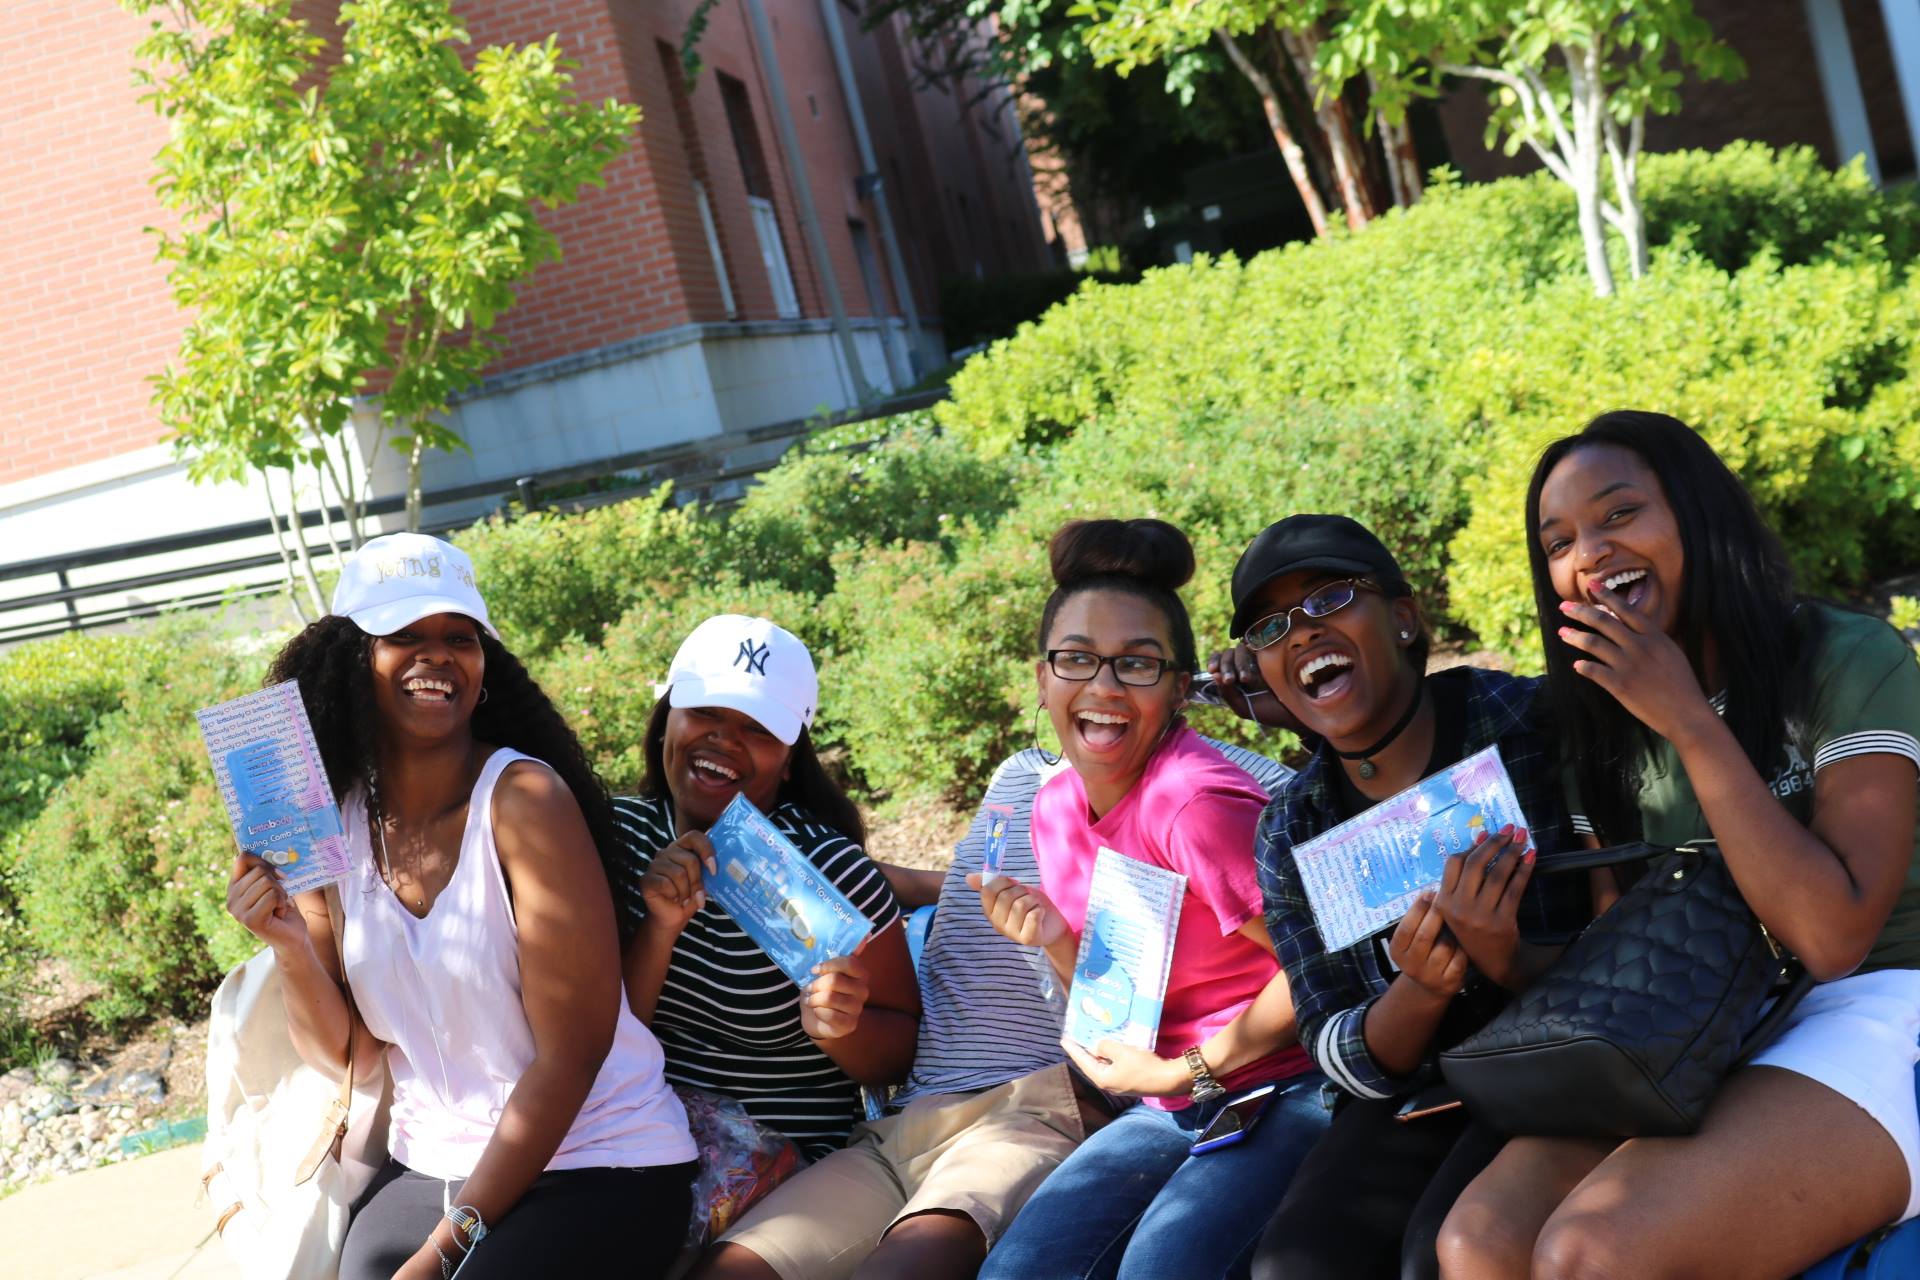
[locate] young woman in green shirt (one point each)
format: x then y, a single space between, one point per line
1700 697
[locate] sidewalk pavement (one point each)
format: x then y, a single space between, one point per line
141 1220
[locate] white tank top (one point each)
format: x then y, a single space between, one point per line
444 994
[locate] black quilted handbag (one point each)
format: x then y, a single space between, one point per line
1630 1031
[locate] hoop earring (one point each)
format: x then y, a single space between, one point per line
483 692
1049 757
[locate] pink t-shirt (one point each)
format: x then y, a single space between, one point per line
1195 812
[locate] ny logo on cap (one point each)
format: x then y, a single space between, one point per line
755 656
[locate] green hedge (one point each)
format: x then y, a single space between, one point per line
123 875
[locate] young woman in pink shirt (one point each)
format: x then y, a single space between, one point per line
1117 649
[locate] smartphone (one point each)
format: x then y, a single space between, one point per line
1235 1120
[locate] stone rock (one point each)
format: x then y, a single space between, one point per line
59 1071
144 1086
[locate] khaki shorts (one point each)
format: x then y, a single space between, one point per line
981 1154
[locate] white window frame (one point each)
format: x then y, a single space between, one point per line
713 247
773 253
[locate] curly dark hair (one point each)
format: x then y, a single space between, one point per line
332 660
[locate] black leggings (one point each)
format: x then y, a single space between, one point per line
1369 1199
571 1222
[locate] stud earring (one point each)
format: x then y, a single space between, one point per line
1406 635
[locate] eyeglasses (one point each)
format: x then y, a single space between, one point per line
1128 668
1329 599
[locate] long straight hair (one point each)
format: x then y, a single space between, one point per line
1737 592
807 784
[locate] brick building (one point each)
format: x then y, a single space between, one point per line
688 302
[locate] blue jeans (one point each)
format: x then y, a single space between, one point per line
1133 1203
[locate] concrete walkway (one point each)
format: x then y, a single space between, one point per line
141 1220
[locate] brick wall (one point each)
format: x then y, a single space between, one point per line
91 318
86 313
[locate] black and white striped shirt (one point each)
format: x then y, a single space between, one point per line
728 1019
991 1010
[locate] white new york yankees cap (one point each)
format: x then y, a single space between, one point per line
747 665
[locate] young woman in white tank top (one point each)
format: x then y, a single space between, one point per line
532 1132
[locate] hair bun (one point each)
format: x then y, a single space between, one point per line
1150 551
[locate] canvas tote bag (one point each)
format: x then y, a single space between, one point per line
288 1149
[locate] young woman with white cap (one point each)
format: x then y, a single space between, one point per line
734 719
532 1130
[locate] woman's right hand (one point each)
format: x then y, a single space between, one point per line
673 886
256 899
1244 690
1020 912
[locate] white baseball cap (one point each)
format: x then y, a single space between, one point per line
399 578
750 666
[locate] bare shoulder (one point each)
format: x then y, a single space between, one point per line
531 792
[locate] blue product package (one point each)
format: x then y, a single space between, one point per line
777 897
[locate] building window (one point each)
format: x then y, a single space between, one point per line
754 171
697 169
773 254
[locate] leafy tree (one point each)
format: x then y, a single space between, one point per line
1116 147
352 221
1573 81
1275 44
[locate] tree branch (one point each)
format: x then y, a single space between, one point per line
1522 91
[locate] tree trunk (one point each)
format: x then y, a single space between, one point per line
415 452
1282 136
1626 182
305 557
1403 162
286 552
1296 100
1585 107
1330 110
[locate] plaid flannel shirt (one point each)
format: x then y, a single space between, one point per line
1333 990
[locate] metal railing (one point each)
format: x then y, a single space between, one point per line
696 468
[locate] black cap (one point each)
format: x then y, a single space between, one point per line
1332 544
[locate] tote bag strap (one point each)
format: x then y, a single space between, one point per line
334 1127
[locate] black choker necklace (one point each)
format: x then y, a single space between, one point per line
1367 767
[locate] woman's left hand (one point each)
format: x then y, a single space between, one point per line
834 1000
1129 1072
1637 663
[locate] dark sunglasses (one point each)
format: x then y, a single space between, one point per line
1320 602
1128 668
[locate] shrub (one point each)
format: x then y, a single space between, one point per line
1377 317
551 575
1775 367
123 874
936 673
52 693
912 484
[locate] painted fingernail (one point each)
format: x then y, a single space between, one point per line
1528 859
1566 606
1520 835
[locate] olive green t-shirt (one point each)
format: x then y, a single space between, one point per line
1865 700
